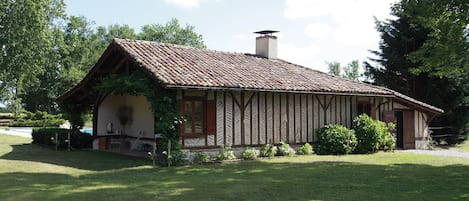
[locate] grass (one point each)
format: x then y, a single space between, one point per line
31 172
463 147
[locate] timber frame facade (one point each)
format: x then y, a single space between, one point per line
241 99
250 118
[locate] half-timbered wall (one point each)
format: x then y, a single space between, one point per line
421 130
272 117
420 121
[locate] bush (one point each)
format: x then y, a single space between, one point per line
268 150
37 119
46 136
306 149
202 157
335 139
285 149
179 157
372 135
250 153
225 153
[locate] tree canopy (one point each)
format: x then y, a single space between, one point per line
350 71
45 52
424 54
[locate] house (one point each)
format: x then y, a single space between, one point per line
241 99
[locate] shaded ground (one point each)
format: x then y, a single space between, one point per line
30 172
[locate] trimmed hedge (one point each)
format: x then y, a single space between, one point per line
335 139
45 136
38 119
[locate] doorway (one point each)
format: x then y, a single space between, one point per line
399 129
405 138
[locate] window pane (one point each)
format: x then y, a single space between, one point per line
188 117
198 116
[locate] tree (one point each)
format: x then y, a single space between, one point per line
417 57
334 68
43 52
351 71
25 43
173 33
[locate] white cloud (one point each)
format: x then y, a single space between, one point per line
299 55
187 4
340 10
239 36
317 30
351 21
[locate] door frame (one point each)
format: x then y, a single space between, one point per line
408 128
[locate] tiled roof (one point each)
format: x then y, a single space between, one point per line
177 66
187 67
181 66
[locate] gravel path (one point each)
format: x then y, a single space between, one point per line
440 153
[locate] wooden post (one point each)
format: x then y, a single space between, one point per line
56 141
69 131
169 153
153 154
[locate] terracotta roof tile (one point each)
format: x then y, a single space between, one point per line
187 67
190 67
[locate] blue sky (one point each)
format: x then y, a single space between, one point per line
311 31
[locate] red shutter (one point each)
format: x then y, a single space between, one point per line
211 117
373 111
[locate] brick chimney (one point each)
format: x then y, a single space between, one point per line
266 44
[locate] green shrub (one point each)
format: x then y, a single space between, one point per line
372 135
179 157
37 119
202 157
250 153
225 153
268 150
306 149
46 136
335 139
285 149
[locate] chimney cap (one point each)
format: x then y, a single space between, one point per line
266 32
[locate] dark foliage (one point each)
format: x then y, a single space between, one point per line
423 54
46 136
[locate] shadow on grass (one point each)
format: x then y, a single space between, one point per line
255 180
86 160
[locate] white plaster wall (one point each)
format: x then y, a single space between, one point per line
143 120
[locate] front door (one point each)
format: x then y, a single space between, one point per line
409 135
405 129
399 129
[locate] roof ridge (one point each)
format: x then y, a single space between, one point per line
183 46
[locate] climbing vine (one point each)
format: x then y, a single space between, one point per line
75 113
163 102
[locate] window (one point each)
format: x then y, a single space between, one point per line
366 108
199 117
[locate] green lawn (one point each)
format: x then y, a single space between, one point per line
463 147
31 172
